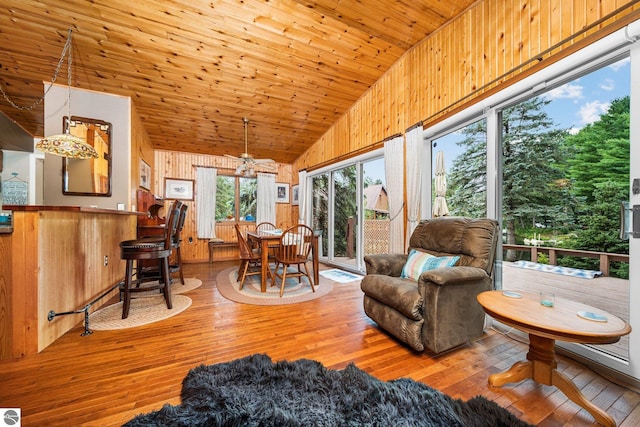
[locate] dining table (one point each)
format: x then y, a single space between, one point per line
270 238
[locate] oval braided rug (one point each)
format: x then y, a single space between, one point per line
294 292
143 311
146 307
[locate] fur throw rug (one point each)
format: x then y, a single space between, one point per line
254 391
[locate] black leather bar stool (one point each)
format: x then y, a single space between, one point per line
149 249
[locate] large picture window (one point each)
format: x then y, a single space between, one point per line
236 198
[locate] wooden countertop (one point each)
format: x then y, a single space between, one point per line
87 209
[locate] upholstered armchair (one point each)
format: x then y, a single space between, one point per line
433 307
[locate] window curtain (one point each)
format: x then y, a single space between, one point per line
394 176
414 176
206 188
303 202
266 198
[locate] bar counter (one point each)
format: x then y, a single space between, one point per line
57 258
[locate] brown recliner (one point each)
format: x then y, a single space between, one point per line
440 310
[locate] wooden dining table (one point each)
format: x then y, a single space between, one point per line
265 239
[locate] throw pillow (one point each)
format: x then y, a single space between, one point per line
419 262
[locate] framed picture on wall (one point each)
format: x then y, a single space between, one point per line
282 192
145 175
180 189
294 195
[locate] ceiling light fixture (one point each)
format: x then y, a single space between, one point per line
65 145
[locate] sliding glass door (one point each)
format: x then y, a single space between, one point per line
350 209
553 156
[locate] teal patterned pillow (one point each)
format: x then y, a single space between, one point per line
419 262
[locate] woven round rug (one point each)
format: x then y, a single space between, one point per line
143 311
190 283
294 292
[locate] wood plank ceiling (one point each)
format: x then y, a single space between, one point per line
195 68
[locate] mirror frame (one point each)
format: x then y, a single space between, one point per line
104 131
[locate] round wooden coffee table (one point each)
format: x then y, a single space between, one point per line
545 325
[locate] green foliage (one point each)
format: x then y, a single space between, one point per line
570 184
467 179
225 197
599 229
600 152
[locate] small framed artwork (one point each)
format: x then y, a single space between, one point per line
145 175
181 189
295 201
282 192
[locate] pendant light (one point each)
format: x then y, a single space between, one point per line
65 144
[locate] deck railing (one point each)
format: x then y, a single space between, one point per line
552 253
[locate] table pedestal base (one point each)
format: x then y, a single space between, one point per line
541 366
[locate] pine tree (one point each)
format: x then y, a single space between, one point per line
601 152
533 185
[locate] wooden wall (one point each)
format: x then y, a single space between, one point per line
53 260
141 149
173 164
489 46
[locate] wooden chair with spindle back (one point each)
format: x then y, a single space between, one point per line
295 247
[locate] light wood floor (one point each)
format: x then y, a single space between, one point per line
107 378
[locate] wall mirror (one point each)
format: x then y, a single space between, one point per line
90 177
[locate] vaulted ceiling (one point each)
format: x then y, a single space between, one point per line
195 68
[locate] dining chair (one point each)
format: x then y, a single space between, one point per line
250 258
176 241
268 226
294 249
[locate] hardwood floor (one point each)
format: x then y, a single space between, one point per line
107 378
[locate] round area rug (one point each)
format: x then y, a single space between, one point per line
190 283
142 312
294 292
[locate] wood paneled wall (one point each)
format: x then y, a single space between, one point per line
54 260
141 149
489 46
173 164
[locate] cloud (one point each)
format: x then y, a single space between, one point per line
608 85
617 65
591 111
566 91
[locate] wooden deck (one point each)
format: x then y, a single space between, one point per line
606 293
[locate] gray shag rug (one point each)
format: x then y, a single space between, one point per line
254 391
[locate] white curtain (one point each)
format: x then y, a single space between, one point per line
206 188
394 176
414 176
266 198
303 206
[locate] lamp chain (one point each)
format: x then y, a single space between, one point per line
67 48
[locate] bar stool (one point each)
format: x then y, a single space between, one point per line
149 249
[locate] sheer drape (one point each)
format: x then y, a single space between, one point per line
206 188
303 206
394 176
414 176
266 198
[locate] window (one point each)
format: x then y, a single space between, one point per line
236 198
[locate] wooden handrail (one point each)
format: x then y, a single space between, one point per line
605 258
